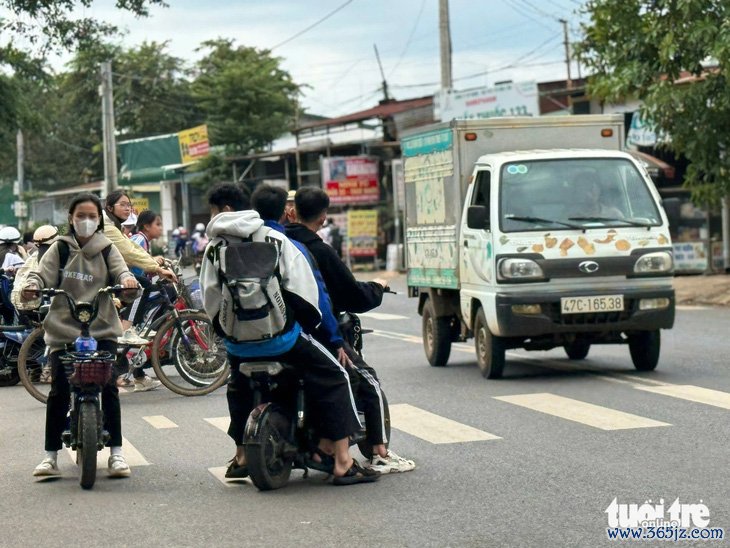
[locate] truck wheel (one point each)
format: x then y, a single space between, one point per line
577 350
436 336
490 349
644 347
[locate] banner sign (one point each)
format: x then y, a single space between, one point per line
351 180
509 99
641 132
140 204
194 143
362 232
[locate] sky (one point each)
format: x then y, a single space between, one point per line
492 41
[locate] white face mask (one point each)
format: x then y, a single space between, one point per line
86 227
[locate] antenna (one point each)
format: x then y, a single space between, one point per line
385 83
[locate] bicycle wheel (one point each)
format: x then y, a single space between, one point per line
88 446
32 360
198 365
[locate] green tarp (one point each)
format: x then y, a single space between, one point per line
143 159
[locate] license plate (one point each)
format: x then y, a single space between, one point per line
588 305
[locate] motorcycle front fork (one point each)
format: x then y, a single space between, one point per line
70 436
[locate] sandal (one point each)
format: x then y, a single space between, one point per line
326 464
235 470
356 474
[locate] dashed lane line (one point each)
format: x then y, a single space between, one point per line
589 414
131 454
382 316
160 422
221 423
707 396
434 428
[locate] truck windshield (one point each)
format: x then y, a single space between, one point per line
587 192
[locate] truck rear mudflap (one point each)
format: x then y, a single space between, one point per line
530 315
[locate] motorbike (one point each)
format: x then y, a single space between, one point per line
277 437
88 370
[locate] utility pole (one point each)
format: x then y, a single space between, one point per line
385 83
109 130
445 40
20 211
566 43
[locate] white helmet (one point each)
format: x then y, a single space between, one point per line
45 234
200 227
10 235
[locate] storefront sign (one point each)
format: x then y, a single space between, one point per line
140 204
351 180
690 257
641 132
362 232
193 143
509 99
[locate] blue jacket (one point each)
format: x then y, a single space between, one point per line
329 328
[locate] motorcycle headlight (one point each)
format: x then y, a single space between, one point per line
654 263
516 269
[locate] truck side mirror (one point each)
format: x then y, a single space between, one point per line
672 209
477 217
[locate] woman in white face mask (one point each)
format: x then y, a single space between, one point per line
80 263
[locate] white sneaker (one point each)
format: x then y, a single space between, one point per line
47 467
118 467
145 384
132 338
390 463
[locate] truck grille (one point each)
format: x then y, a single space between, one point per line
594 318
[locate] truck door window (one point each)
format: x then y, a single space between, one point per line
481 189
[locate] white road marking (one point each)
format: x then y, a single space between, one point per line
382 316
219 473
220 422
691 307
582 412
132 456
433 428
160 422
716 398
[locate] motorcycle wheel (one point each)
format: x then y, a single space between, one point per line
88 443
268 466
8 368
365 447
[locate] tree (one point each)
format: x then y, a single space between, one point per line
641 48
248 99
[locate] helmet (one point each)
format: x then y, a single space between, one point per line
10 234
183 231
45 234
176 232
200 227
130 221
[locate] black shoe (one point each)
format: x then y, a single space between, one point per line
235 470
356 474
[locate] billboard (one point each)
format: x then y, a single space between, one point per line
362 232
351 180
193 143
508 99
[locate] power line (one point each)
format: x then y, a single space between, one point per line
310 27
519 9
529 5
410 37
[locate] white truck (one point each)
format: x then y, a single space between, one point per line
535 233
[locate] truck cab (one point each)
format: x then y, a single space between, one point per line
563 248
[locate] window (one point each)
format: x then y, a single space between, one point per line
481 189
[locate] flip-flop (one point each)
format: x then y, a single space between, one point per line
326 464
356 474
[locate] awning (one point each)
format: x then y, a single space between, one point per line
653 165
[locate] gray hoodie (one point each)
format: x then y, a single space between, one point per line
85 273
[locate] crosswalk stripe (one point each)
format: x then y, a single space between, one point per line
220 422
219 473
131 455
689 392
160 422
582 412
382 316
433 428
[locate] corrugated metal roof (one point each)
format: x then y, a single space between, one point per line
383 110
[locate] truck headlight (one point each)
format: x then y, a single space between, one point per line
654 263
520 269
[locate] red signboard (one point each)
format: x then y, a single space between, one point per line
351 180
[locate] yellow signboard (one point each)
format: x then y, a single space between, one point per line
362 231
140 204
193 143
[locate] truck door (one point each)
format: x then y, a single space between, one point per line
478 249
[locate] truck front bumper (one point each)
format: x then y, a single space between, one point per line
550 320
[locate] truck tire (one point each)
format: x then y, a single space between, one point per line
644 347
436 336
490 349
577 350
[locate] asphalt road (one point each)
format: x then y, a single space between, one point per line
538 467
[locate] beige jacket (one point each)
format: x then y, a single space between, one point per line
133 254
